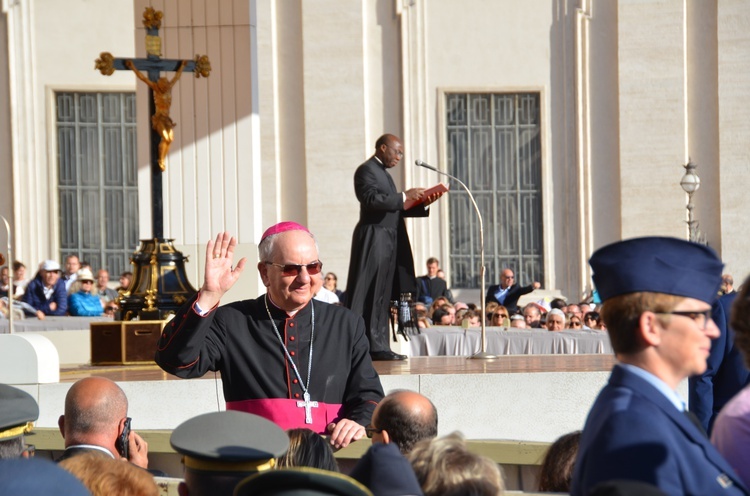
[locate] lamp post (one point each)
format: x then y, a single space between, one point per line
690 183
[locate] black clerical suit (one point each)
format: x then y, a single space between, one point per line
381 264
434 287
239 340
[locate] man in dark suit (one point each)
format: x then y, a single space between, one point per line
381 266
96 413
657 294
508 291
725 373
431 287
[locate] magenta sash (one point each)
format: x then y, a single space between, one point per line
286 414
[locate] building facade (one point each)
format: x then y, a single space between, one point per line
569 120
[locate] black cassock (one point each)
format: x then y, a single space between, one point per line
239 341
381 264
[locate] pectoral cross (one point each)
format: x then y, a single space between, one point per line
307 405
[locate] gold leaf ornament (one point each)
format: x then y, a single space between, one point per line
105 63
202 66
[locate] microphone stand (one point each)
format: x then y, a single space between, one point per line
483 353
11 292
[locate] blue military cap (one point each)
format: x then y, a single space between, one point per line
386 472
658 265
18 411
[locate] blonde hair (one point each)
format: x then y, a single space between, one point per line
445 467
104 476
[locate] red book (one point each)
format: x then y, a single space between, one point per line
438 188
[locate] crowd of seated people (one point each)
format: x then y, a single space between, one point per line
76 290
440 311
54 291
555 315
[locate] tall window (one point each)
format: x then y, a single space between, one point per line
494 146
98 182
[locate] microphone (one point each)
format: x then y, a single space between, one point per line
426 166
483 351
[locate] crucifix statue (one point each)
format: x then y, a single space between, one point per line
160 101
159 281
162 96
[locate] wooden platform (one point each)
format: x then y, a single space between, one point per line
520 397
413 366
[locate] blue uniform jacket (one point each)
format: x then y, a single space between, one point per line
634 432
725 373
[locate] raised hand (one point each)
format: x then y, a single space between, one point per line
219 275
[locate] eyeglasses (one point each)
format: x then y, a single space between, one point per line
398 152
500 316
372 430
508 277
699 317
575 324
294 269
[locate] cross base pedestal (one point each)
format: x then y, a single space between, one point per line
160 285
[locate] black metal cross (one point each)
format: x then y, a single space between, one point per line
160 100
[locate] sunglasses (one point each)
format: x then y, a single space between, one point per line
372 430
294 269
575 324
501 316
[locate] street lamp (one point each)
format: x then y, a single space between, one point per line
690 183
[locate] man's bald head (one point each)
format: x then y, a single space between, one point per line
92 406
407 417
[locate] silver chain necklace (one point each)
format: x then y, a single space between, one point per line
307 404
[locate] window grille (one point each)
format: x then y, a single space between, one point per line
493 144
97 178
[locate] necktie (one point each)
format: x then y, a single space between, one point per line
694 420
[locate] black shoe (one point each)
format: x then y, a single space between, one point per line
378 356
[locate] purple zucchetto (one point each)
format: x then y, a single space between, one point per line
658 265
283 227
